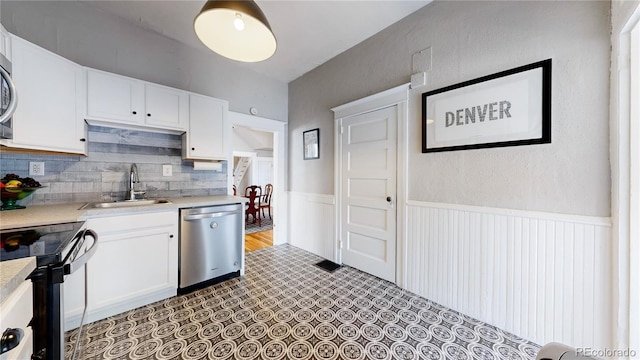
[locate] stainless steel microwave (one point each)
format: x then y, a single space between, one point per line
8 99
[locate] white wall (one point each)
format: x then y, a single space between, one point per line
312 223
94 38
471 39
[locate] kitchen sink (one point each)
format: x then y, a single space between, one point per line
123 203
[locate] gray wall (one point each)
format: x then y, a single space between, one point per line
94 38
472 39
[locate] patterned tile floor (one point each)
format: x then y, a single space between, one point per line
287 308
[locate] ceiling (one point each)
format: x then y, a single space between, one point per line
309 32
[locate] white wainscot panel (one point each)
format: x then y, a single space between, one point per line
542 276
312 223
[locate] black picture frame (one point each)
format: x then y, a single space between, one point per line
448 125
311 144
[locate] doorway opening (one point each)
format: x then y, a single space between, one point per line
257 174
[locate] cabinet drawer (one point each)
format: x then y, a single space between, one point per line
15 312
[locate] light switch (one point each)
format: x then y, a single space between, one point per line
167 170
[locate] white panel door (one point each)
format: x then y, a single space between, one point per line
369 191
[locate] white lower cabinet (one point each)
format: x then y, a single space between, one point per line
136 263
73 289
16 311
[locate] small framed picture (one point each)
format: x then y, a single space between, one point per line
311 144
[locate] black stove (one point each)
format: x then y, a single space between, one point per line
60 249
49 243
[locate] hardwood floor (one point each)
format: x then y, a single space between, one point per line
258 240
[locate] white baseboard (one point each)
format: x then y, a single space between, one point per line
128 304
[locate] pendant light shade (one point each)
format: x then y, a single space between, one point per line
237 30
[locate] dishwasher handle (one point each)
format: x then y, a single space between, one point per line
194 217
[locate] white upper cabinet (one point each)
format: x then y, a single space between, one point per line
50 108
115 99
166 107
208 135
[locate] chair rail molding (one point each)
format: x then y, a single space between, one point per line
542 276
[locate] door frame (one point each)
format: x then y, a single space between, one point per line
398 97
625 178
279 201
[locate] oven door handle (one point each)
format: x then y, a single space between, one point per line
82 260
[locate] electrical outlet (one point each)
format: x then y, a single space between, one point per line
167 170
37 248
36 168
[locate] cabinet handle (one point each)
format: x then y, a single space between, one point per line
148 114
193 149
10 339
170 236
83 139
134 112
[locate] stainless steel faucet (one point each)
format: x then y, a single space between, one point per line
133 179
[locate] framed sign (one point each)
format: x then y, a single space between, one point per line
509 108
311 143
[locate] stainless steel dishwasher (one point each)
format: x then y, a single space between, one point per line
210 245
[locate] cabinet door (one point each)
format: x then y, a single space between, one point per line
165 107
114 98
207 137
50 92
74 299
136 262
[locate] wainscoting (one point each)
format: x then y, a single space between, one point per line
543 276
312 223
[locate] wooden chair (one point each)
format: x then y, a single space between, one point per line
266 199
254 194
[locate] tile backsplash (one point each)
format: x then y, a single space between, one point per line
103 175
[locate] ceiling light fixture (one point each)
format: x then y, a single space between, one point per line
237 30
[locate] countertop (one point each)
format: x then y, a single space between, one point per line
36 215
13 273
